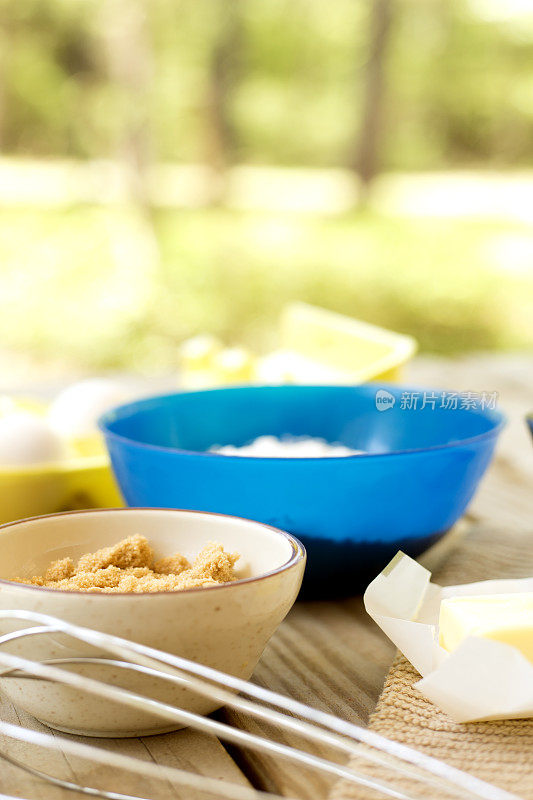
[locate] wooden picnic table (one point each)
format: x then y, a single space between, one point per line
327 654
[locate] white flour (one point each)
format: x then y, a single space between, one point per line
288 447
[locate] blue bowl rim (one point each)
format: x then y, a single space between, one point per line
298 554
132 408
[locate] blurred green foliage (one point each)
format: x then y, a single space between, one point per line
276 83
79 285
458 85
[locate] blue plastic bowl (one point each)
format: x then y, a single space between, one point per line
420 469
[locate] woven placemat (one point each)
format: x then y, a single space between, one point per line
498 752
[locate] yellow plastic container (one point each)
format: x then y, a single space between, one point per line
81 482
316 346
340 348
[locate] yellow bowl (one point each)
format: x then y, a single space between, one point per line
84 481
350 350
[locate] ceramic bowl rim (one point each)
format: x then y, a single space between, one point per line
298 553
498 421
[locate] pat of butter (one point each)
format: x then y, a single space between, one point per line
506 618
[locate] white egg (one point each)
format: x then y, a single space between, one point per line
75 411
28 439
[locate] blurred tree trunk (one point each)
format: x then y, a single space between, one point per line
134 243
223 73
366 161
129 60
4 44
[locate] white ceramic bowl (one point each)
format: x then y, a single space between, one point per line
225 627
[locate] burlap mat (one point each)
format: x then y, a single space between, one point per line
498 752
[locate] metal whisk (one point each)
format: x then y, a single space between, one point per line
316 726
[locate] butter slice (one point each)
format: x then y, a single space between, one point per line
506 618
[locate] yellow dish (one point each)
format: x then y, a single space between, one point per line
345 349
316 346
84 481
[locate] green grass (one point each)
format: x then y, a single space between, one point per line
89 285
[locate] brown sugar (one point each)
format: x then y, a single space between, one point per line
132 552
129 566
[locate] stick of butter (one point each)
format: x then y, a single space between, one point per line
507 618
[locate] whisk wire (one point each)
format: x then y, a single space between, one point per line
230 699
197 721
214 684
